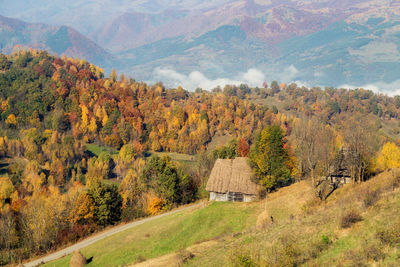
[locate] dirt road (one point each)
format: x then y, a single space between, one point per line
93 239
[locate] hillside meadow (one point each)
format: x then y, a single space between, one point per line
304 232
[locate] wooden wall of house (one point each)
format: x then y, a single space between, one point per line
214 196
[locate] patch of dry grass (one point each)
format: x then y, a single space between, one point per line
313 236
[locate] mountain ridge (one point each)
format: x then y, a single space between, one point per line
62 40
327 43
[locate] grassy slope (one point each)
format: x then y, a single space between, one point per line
304 231
299 239
168 234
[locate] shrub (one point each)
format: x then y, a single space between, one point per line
325 240
318 246
390 236
311 205
154 204
140 258
285 253
350 218
371 197
355 258
374 252
243 260
183 256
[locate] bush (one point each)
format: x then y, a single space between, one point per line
183 256
311 205
390 236
285 253
130 213
371 197
325 240
350 218
243 260
202 193
374 252
355 258
318 246
140 258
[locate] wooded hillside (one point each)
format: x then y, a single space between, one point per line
74 145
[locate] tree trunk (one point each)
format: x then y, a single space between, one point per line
312 177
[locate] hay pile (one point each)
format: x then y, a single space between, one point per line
78 260
263 220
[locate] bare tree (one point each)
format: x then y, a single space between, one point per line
314 147
361 141
7 232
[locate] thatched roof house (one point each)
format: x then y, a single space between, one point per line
230 180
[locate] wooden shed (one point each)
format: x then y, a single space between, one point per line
230 180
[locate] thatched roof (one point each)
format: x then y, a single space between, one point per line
231 175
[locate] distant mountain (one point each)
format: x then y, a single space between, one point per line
316 42
61 40
87 16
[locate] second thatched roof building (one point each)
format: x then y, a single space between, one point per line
230 180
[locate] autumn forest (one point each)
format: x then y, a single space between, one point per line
80 151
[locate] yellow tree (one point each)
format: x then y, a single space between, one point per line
85 119
84 209
6 189
11 120
388 157
93 125
43 217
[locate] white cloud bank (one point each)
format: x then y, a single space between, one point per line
390 89
195 79
254 77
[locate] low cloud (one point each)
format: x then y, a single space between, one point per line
195 79
390 89
255 77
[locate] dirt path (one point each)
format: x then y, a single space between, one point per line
93 239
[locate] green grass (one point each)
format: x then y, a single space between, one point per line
169 234
98 149
179 157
